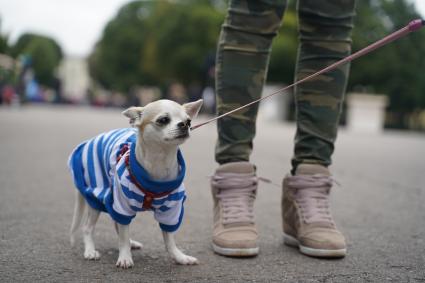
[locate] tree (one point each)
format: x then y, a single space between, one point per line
397 69
4 45
116 59
156 42
45 54
182 42
284 49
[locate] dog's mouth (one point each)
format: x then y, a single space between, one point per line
182 136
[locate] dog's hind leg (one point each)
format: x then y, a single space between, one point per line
135 245
176 254
79 208
88 231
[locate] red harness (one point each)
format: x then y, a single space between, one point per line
149 196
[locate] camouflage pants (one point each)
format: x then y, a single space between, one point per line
242 61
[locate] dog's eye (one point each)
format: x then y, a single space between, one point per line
188 122
163 120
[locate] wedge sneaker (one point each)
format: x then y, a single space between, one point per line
234 187
306 216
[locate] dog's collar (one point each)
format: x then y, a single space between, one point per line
146 182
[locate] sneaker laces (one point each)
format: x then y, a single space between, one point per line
237 193
312 196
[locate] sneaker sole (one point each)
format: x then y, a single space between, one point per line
291 241
247 252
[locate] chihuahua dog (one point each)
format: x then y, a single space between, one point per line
128 170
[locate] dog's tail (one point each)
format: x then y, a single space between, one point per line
79 208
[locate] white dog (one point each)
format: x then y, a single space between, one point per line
134 169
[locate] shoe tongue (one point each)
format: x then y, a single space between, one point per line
311 169
236 167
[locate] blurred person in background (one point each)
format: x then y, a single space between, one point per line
242 62
177 92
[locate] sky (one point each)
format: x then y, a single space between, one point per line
75 24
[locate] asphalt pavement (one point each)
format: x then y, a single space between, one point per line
379 206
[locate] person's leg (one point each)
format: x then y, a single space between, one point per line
241 67
242 61
325 38
325 28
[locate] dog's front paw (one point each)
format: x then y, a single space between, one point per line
91 254
186 260
125 261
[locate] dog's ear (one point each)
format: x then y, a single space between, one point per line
135 115
192 108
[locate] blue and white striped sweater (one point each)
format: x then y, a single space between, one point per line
107 186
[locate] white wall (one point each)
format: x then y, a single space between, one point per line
366 112
74 74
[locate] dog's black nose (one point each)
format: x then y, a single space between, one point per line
182 125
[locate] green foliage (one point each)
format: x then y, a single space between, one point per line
116 60
4 45
44 52
185 39
156 42
397 69
284 49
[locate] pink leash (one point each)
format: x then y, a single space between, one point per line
411 27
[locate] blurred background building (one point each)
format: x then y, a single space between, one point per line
75 78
